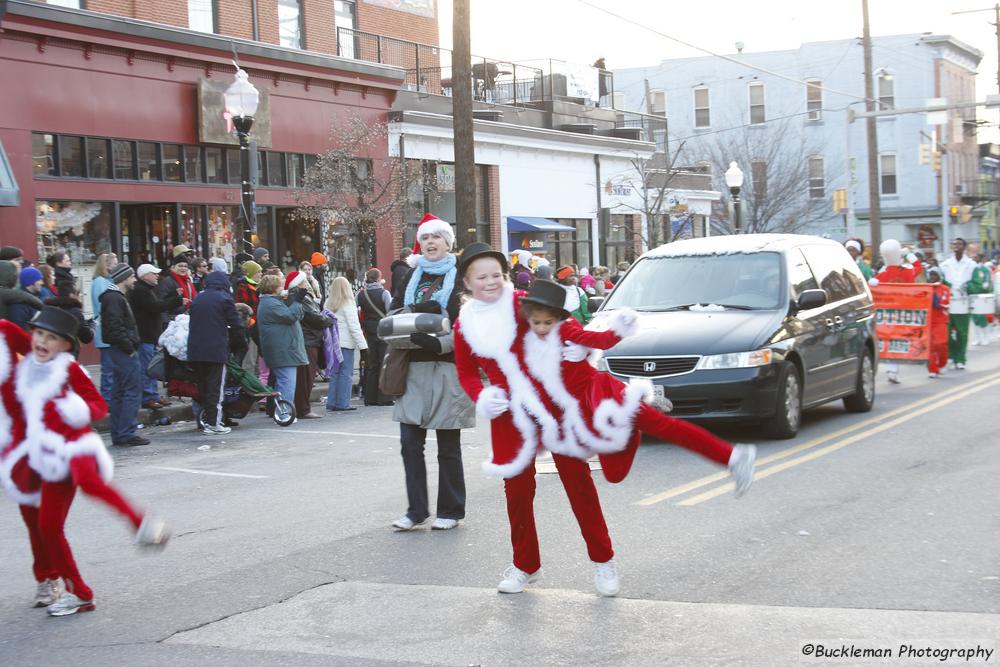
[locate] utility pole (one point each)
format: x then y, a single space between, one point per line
463 130
874 203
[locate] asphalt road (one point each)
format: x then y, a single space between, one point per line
868 531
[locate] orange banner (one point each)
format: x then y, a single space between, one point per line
902 320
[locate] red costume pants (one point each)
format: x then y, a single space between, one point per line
938 357
579 485
41 566
56 500
652 422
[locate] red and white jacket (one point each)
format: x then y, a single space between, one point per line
19 481
899 274
60 402
530 373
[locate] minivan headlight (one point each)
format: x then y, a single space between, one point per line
734 360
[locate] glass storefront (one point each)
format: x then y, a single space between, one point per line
82 229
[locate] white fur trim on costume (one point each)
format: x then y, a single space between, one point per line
7 463
5 359
492 392
73 409
50 454
624 322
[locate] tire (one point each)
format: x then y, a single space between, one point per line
787 417
284 413
863 398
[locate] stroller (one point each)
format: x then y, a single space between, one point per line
241 393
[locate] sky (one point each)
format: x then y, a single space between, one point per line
573 31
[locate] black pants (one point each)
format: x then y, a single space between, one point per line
373 368
451 475
211 383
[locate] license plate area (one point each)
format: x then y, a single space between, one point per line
658 391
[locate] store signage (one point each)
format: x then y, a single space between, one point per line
532 244
445 178
215 127
617 189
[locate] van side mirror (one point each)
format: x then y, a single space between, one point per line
811 298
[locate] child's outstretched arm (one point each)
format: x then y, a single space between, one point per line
623 323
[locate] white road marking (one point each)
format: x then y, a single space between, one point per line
209 472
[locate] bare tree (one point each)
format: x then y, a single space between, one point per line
779 193
350 189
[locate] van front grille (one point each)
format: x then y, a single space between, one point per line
651 366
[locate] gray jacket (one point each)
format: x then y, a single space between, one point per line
280 330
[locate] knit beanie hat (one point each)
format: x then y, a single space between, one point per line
218 264
121 273
294 279
29 276
251 271
258 254
318 259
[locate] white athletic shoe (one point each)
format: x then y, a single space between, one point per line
216 430
960 366
606 578
48 592
69 604
514 580
893 378
444 524
153 532
405 523
741 467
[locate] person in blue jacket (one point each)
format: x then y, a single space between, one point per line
213 316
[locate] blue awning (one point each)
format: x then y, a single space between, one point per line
9 192
535 225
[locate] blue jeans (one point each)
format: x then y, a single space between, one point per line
338 396
284 382
125 392
107 375
150 391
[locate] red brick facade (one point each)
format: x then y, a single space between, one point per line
401 25
493 211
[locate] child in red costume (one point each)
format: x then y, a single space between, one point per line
59 402
19 481
531 406
938 359
895 271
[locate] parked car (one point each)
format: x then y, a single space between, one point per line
748 327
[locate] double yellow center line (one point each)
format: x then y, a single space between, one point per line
842 438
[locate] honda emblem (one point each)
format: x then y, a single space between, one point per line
649 366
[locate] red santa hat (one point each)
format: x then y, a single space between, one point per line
431 224
294 279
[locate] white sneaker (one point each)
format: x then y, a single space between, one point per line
933 376
960 366
514 580
606 578
405 523
444 524
69 604
48 592
741 467
893 378
153 532
216 430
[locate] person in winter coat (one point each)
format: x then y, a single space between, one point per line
148 308
21 313
433 399
179 277
261 255
59 403
374 301
937 360
199 269
577 301
237 275
101 282
213 320
72 305
398 271
313 325
320 265
280 332
10 292
61 264
48 288
341 303
120 331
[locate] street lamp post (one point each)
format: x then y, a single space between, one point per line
734 179
241 105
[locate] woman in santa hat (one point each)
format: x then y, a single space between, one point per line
19 481
433 398
543 394
59 402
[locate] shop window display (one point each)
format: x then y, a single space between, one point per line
222 240
82 229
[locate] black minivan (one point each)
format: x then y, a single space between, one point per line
748 327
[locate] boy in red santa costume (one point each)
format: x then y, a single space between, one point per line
19 481
539 397
59 402
937 360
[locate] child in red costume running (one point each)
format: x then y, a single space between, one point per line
59 402
937 361
19 481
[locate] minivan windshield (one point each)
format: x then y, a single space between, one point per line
742 281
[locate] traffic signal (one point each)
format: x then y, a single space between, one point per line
964 213
936 160
953 213
925 154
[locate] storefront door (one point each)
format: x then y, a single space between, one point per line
148 233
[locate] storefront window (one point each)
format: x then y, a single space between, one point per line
296 170
149 162
276 169
97 158
618 241
222 241
172 167
43 156
82 229
192 164
214 166
124 158
70 156
235 168
189 228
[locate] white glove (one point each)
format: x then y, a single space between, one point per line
573 352
493 402
911 258
873 282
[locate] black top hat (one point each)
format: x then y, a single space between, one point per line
58 321
477 250
549 294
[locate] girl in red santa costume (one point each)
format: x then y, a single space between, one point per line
540 397
19 481
59 402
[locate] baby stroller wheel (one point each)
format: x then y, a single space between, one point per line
199 420
284 413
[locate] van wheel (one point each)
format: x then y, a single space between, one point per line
787 416
863 397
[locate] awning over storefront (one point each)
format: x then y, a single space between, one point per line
9 192
521 224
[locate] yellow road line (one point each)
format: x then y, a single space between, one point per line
791 451
719 490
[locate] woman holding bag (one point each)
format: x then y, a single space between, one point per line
433 398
